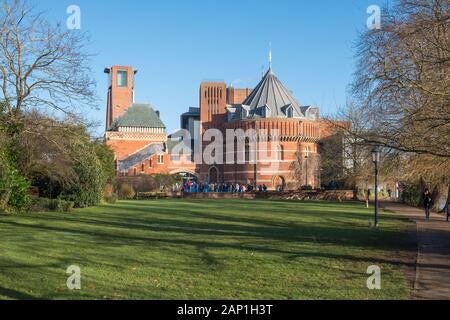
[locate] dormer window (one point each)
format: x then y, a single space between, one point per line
265 112
290 112
244 113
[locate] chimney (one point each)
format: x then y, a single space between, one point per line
158 114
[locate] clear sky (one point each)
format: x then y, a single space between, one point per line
177 44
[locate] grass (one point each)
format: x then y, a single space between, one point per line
208 249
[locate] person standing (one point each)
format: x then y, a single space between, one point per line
427 202
367 198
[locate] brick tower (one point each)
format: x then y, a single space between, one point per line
120 92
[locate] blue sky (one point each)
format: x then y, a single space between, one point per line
177 44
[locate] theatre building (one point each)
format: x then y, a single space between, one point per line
280 152
284 139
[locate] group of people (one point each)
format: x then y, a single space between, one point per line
194 187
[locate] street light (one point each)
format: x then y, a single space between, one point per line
376 161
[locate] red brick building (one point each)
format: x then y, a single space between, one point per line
284 143
135 131
284 132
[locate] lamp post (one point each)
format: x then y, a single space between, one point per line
376 161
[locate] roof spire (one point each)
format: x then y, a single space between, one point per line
270 56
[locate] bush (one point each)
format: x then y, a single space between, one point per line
88 188
411 194
13 188
149 183
39 204
109 194
51 205
112 199
126 192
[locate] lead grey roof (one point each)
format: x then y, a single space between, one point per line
271 93
139 116
140 156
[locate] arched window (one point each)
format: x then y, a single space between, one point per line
247 150
236 151
213 175
142 167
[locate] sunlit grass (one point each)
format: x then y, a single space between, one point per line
218 249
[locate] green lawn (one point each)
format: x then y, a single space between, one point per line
204 249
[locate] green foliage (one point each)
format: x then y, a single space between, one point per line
62 161
112 199
411 194
106 157
109 194
149 183
88 188
125 191
49 205
13 187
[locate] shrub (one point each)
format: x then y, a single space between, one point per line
39 204
109 194
87 190
55 205
126 192
13 188
111 199
411 194
68 206
148 183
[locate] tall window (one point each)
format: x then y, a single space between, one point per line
161 159
142 168
290 112
265 112
122 78
150 163
280 153
247 150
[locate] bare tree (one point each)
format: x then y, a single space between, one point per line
305 169
42 65
403 79
346 157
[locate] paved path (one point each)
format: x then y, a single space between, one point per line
433 258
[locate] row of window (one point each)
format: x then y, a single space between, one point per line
150 163
266 112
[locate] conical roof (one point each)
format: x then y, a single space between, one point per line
271 93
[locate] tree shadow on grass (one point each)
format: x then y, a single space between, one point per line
15 295
294 235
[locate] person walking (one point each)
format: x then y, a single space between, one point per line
427 203
448 210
